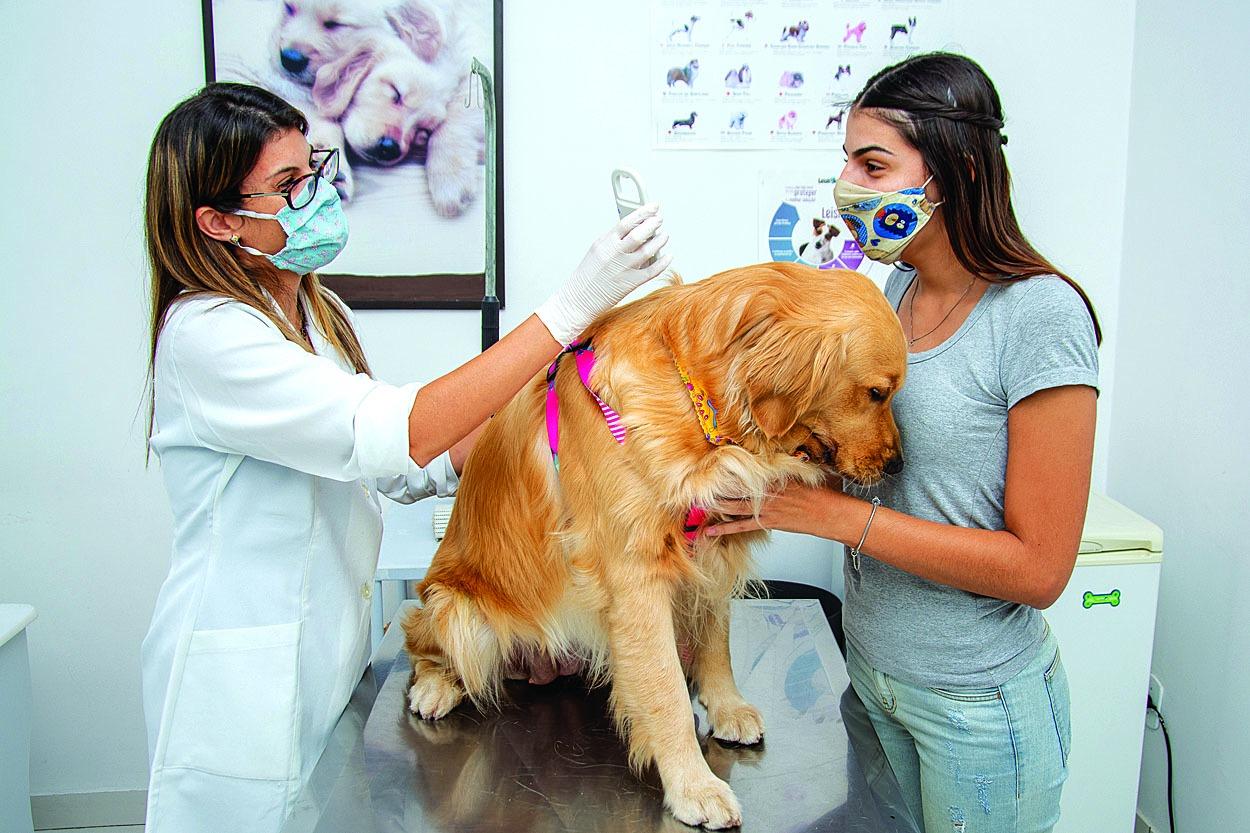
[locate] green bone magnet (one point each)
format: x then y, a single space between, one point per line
1091 599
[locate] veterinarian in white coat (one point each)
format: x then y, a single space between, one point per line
275 444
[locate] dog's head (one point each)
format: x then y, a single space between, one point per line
312 33
806 361
388 91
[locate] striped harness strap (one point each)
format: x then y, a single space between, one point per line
584 356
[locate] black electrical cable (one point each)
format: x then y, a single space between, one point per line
1167 743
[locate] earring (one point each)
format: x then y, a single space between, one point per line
234 240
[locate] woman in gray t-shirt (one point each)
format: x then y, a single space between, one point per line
957 678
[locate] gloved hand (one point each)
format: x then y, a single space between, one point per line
619 262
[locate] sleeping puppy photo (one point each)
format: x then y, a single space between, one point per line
394 93
576 529
312 33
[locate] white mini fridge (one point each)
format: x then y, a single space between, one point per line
1105 623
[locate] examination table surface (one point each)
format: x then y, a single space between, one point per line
550 762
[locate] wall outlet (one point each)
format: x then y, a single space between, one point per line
1156 692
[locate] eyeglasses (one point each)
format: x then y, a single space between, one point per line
324 162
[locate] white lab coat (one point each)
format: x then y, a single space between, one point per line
273 459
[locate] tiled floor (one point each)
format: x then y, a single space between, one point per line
138 828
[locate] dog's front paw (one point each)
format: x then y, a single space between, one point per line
345 181
454 180
328 134
453 188
737 723
433 695
707 802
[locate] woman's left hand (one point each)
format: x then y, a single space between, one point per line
811 510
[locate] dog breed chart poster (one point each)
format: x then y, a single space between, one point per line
387 84
775 74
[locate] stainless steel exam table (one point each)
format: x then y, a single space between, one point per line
550 762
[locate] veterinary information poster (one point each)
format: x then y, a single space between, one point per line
774 74
799 222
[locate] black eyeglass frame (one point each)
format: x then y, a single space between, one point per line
332 155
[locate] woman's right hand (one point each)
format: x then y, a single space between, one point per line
450 407
621 260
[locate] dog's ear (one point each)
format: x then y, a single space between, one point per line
773 414
337 81
775 396
816 224
785 368
418 27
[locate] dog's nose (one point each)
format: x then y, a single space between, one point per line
894 465
293 60
386 150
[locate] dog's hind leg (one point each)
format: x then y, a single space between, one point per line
732 717
436 688
651 703
455 652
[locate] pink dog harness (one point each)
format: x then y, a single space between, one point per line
584 356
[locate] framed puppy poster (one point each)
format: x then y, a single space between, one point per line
388 83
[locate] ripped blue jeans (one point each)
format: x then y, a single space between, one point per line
989 760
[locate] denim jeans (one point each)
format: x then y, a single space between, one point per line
989 760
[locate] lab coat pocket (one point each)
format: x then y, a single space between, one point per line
235 712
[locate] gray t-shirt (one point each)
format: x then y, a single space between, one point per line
1021 337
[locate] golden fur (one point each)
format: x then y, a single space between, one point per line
593 562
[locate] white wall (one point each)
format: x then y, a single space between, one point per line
85 529
1179 446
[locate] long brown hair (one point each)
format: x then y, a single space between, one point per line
947 108
202 152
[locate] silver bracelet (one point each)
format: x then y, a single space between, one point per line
855 551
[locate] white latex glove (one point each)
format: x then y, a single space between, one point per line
619 262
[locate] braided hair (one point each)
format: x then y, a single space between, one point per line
946 107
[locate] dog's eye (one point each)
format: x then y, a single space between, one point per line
290 8
397 97
876 395
331 25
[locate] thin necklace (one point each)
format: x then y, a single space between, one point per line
911 309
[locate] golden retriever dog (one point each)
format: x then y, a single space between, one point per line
395 92
794 370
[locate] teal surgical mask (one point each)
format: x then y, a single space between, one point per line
883 222
315 234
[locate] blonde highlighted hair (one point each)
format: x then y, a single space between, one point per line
202 152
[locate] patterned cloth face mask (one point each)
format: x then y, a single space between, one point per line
315 234
883 222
